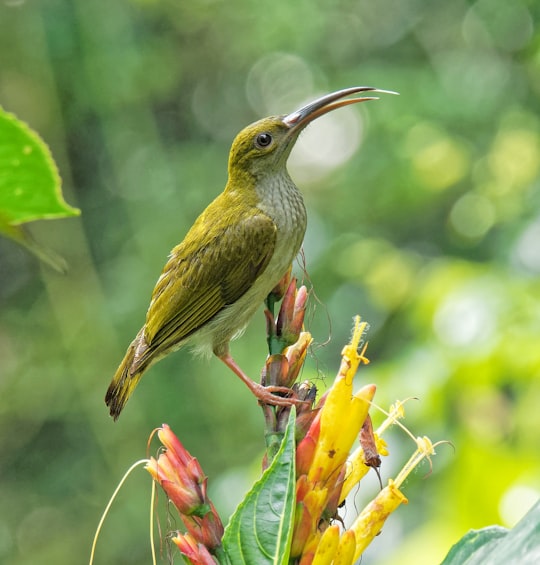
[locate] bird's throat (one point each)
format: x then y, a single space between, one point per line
279 198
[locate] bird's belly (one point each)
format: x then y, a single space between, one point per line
232 320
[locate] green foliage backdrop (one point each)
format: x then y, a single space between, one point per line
424 214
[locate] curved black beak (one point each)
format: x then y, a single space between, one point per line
302 117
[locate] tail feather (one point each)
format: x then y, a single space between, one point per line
125 380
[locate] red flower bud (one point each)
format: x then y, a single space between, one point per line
184 482
195 552
291 314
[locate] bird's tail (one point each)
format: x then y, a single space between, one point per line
125 380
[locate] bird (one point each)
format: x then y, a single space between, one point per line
232 257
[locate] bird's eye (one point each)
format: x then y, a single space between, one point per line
263 140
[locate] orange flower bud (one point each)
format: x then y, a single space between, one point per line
184 482
305 450
291 314
184 492
276 370
303 528
296 355
195 552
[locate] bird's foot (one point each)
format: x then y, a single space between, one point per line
265 394
271 395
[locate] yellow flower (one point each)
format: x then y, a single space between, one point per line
370 521
328 545
343 413
346 549
341 420
322 453
326 473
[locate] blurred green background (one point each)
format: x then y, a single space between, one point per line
424 217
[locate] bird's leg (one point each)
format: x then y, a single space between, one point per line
266 395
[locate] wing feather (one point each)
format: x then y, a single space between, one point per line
201 279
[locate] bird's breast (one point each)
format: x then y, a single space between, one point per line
282 202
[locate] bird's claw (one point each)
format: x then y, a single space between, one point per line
270 395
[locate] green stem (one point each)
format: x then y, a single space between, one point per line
221 555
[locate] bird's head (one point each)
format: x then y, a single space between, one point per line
263 147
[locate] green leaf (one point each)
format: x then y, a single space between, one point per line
30 186
29 180
260 530
475 544
498 546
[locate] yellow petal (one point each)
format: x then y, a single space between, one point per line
370 521
382 446
351 357
315 501
327 547
343 414
310 548
356 471
341 419
346 549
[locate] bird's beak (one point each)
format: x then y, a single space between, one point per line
299 119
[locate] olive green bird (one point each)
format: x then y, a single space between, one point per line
232 257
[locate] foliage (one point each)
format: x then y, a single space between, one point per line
261 528
498 546
29 185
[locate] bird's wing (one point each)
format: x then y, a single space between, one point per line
199 280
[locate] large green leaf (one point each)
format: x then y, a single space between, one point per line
261 528
499 546
30 186
29 180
